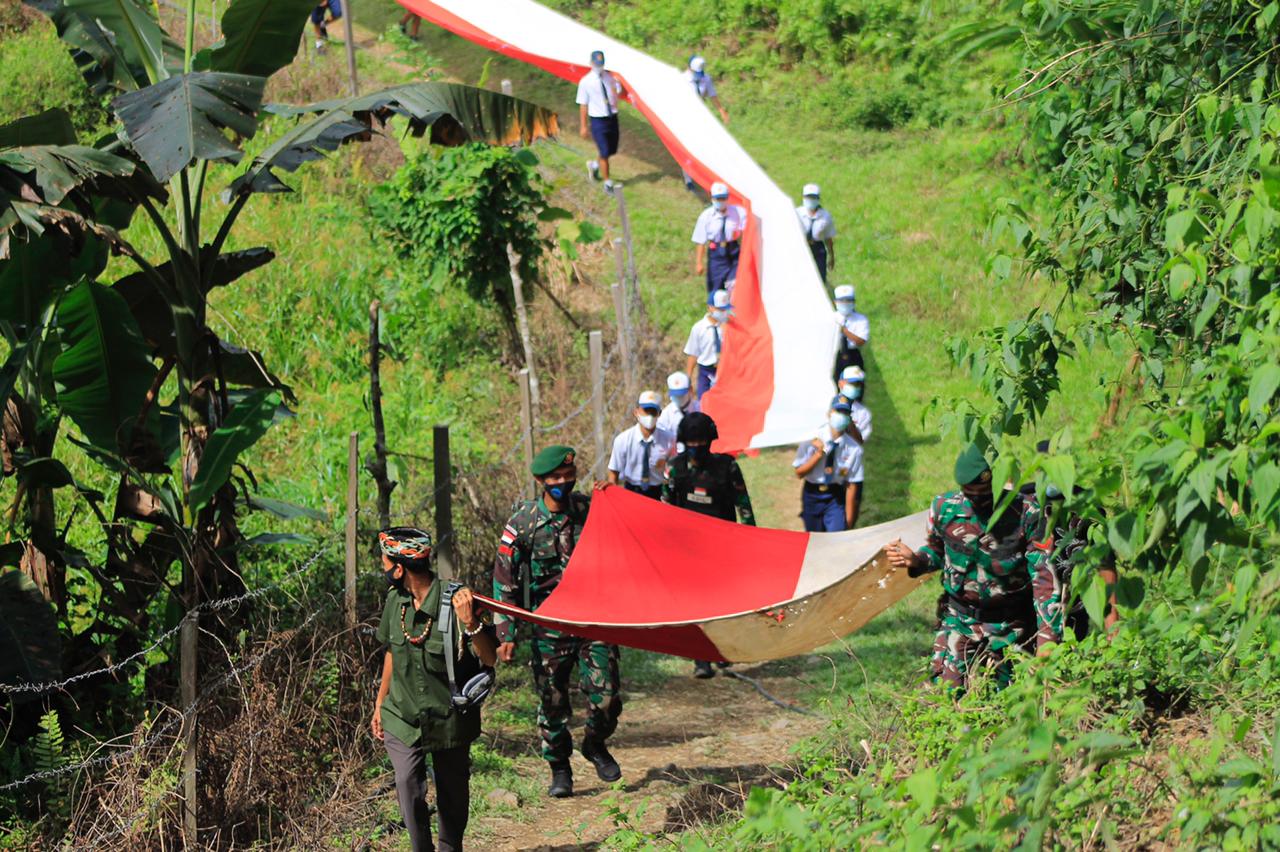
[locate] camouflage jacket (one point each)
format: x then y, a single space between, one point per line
535 548
714 488
982 566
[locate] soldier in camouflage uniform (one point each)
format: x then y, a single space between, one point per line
994 575
535 548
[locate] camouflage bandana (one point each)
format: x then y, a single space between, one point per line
405 543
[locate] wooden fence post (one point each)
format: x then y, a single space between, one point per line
353 506
596 341
446 559
506 87
620 260
187 666
377 465
526 412
350 36
631 252
624 340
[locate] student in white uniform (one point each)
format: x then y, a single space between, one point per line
717 236
682 403
705 88
852 388
598 94
706 340
819 229
855 331
831 466
639 458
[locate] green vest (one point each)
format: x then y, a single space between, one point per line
417 708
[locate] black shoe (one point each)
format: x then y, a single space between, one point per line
606 767
561 782
702 670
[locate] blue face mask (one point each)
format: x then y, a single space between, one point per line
851 391
561 491
700 453
720 204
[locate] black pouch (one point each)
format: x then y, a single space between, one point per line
477 680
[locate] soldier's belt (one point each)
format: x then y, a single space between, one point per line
1011 606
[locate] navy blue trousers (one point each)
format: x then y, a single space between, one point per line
822 512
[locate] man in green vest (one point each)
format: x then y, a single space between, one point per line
535 548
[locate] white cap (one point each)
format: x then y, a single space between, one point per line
719 190
697 63
853 373
649 399
844 293
720 299
678 382
811 189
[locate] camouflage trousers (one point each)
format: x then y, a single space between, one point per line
963 644
555 656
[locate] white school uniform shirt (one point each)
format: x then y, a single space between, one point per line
847 464
702 342
716 227
702 85
861 416
818 226
627 458
859 325
669 419
599 92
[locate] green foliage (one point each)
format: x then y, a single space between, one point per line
42 76
30 648
244 425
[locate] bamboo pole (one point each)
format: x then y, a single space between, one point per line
353 506
596 345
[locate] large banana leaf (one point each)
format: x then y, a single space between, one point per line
104 370
176 122
452 112
30 649
51 127
117 44
50 173
260 37
247 421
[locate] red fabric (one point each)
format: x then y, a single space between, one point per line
744 383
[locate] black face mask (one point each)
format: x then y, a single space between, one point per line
388 574
982 503
699 453
562 491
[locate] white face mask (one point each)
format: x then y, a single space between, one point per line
851 391
844 307
682 400
811 204
839 421
648 421
719 204
719 315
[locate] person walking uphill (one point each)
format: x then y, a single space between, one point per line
638 460
598 94
993 574
819 229
535 548
434 640
706 340
831 466
718 237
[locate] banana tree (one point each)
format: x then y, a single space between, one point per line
156 396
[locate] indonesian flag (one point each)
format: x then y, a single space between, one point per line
774 381
652 576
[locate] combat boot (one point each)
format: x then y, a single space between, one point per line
561 781
702 670
606 767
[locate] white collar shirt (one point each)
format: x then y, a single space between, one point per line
669 419
716 227
861 416
598 92
818 226
627 458
706 339
859 325
846 463
701 83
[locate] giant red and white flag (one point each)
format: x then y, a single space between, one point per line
774 383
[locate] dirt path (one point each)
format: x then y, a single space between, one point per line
689 751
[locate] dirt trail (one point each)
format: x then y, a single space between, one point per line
689 750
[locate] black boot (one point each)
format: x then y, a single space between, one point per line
606 767
702 670
561 781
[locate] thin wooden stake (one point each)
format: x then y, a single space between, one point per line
526 423
187 664
506 87
350 31
624 340
353 506
631 251
446 554
596 345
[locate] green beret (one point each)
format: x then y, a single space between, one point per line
970 464
551 458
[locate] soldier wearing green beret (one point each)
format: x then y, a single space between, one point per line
535 548
991 573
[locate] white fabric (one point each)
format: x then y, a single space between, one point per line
591 92
710 220
703 84
859 325
847 465
861 416
818 226
791 292
702 343
627 458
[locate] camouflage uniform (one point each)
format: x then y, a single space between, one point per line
712 487
535 548
996 582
